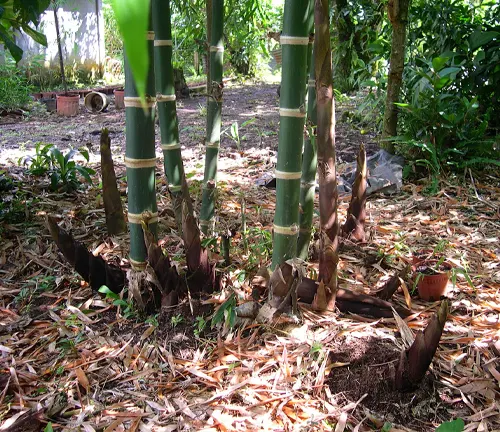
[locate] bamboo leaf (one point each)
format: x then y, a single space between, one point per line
132 17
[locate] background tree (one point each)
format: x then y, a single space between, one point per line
59 47
397 11
357 25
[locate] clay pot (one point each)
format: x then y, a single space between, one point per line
432 283
68 105
119 99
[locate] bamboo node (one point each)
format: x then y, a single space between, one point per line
283 175
163 42
207 223
170 146
216 48
286 230
311 83
165 98
294 40
215 144
140 163
137 265
292 112
135 102
146 216
210 184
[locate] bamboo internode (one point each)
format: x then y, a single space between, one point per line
167 109
295 42
214 114
140 159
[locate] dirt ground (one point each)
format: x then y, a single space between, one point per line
258 102
175 371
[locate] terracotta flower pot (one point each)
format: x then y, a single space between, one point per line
68 105
432 283
119 99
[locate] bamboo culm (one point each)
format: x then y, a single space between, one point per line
294 45
309 158
214 117
140 159
167 111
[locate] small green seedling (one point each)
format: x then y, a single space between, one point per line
65 169
128 310
176 320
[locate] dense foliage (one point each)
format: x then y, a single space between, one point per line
451 82
452 85
14 87
18 15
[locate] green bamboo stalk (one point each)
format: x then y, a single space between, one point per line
294 45
214 117
309 158
167 111
140 159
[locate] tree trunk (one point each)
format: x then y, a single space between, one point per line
328 194
59 47
344 29
397 11
166 101
309 158
214 117
294 43
140 159
115 221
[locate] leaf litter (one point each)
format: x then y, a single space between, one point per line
71 357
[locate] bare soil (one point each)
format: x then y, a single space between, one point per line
257 101
369 377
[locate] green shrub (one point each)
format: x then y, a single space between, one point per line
443 127
14 88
